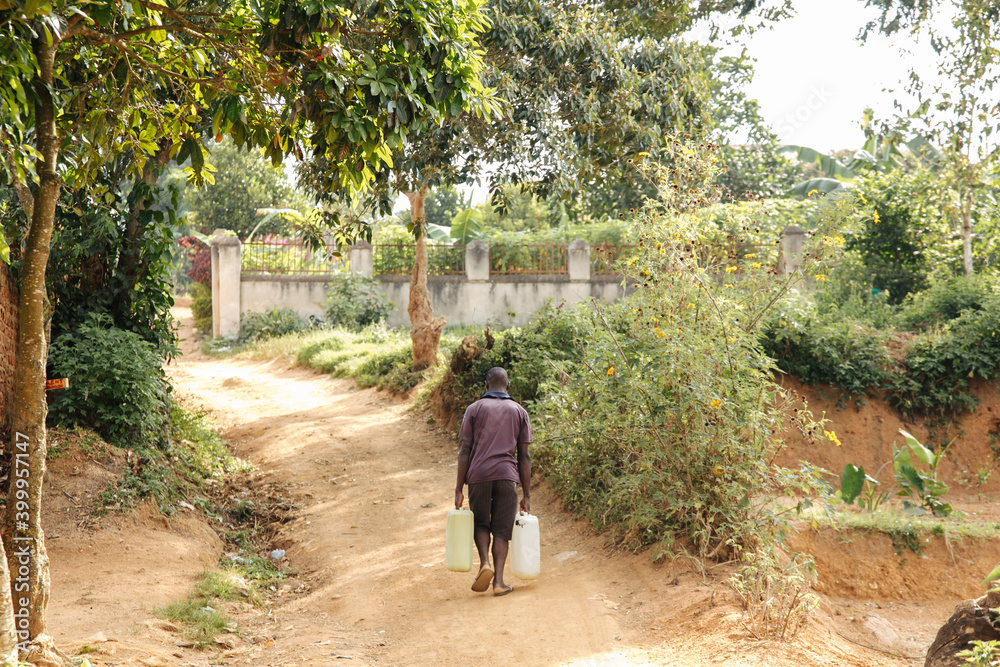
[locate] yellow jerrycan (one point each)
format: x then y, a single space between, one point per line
525 547
458 541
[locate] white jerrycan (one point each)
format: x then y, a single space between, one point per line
525 547
458 541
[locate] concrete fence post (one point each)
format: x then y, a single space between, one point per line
226 250
477 261
362 259
578 261
793 239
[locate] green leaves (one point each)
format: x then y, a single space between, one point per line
852 481
263 78
662 432
467 225
814 186
117 384
926 489
437 232
922 453
354 302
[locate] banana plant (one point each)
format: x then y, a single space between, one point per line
880 152
834 173
465 226
269 214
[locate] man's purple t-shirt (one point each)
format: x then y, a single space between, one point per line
494 426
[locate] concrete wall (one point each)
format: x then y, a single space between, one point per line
474 298
8 344
306 295
504 300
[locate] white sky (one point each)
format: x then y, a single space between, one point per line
813 78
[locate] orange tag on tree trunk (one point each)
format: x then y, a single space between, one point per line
60 383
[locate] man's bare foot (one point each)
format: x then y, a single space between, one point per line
482 581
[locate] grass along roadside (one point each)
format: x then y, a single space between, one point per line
375 356
178 470
205 614
893 522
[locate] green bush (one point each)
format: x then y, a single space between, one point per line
892 238
828 349
201 307
390 368
847 293
664 432
536 356
354 302
938 367
926 374
275 322
945 300
96 266
116 383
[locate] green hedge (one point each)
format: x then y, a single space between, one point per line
922 361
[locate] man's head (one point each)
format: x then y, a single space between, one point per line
496 379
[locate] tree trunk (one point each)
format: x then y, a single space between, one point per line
23 538
128 260
966 208
425 329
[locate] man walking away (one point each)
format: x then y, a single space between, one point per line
493 457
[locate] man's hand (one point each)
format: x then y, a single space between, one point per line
458 499
525 504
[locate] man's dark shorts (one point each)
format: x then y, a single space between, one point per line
494 505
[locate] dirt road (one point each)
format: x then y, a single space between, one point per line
373 482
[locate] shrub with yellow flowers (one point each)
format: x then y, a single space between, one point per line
667 432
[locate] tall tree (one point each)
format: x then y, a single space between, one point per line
960 113
585 90
243 181
85 81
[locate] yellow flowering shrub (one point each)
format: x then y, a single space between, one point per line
666 431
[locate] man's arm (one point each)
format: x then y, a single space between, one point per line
463 470
524 470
